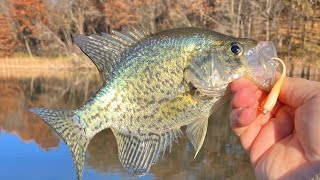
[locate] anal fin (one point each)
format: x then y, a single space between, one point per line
196 132
138 152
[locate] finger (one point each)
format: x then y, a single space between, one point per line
296 91
241 118
241 83
245 97
272 132
249 134
246 124
276 108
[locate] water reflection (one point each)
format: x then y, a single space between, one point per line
13 118
221 156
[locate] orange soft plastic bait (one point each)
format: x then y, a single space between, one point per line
271 99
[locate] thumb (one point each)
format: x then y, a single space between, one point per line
296 91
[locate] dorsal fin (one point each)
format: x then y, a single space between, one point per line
104 50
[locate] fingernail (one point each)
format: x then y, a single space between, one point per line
234 116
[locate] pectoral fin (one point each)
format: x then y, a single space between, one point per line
196 132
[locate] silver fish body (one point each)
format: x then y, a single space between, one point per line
152 85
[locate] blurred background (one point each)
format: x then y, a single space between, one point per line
41 67
45 28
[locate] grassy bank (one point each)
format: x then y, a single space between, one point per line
60 67
36 63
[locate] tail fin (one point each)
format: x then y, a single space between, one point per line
62 122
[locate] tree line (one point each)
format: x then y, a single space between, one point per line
46 27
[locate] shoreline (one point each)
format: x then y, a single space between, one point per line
38 63
19 66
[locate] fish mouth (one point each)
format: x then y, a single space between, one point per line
262 68
210 92
267 84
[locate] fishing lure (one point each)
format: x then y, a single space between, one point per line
271 99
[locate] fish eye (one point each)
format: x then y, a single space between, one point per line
236 49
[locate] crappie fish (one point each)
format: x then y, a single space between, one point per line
153 84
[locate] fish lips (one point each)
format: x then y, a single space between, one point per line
262 68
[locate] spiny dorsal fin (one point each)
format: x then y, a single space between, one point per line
138 152
104 50
196 132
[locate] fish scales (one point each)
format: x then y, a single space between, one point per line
153 84
147 77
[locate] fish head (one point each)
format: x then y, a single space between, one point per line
232 58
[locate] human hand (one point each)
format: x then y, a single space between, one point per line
285 143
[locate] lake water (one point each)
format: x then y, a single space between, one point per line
30 150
